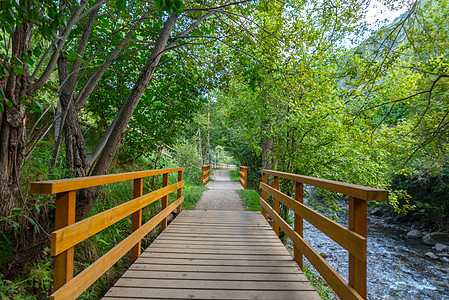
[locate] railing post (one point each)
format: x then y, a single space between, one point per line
358 223
179 193
264 194
164 200
136 217
64 216
245 170
276 204
299 196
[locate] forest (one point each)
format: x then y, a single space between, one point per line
312 87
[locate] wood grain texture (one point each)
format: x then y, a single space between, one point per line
73 184
86 278
237 256
69 236
353 190
345 237
136 217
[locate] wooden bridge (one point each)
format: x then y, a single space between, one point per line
209 254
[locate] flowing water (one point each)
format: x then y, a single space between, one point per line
397 267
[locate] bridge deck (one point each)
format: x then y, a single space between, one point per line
215 255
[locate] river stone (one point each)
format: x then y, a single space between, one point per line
414 234
441 237
445 259
376 211
428 240
440 247
431 255
323 255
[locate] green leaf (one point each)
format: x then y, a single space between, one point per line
120 5
37 107
19 70
8 103
23 100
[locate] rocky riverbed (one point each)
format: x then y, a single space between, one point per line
399 267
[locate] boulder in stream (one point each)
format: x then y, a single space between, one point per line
414 234
445 259
431 255
428 240
440 247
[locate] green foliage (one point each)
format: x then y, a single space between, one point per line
192 193
320 285
250 199
234 175
188 157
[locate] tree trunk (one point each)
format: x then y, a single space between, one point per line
12 125
200 148
208 134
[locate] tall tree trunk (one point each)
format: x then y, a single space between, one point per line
200 148
208 134
12 124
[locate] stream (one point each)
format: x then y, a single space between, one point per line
397 267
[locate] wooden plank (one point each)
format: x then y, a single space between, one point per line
229 251
216 262
69 236
215 284
276 203
155 293
358 223
179 193
213 257
64 216
298 222
261 269
348 239
196 275
83 280
164 200
136 217
353 190
335 281
264 194
72 184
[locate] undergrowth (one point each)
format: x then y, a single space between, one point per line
250 199
234 174
36 279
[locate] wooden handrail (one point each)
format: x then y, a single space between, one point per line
243 175
68 233
352 239
352 190
73 184
205 174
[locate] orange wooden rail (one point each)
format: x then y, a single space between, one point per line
352 239
243 175
205 174
67 233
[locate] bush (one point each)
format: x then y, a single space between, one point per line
188 157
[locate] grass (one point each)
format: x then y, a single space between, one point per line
192 193
250 199
234 174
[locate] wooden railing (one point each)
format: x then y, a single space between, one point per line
223 166
205 174
352 239
243 175
68 233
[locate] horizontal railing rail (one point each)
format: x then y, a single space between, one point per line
205 174
243 175
223 166
353 239
67 233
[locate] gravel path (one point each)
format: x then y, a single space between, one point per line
221 194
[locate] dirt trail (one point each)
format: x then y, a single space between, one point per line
222 193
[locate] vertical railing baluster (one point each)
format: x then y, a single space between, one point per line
179 193
358 223
64 216
299 196
264 194
136 217
164 200
276 204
